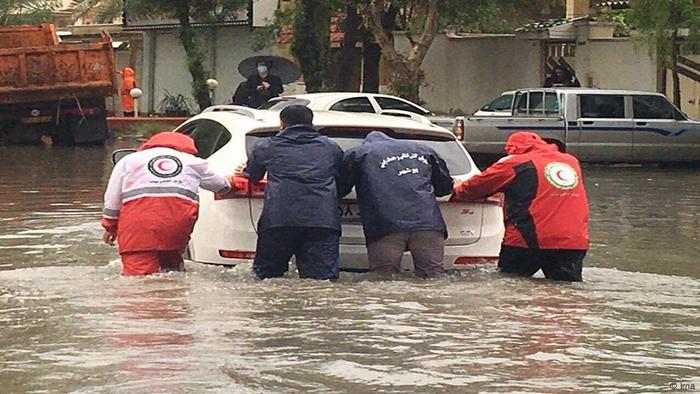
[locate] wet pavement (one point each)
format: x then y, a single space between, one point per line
71 323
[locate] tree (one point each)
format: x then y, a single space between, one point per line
421 20
184 11
19 12
662 23
311 42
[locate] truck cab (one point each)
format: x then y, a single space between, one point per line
595 125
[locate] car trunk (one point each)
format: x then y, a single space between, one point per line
463 220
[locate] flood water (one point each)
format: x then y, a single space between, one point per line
70 323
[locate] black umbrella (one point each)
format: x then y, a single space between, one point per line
284 68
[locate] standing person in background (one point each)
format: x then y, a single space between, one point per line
300 212
151 203
262 86
128 83
396 183
561 78
546 209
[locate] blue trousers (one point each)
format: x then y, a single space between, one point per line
316 250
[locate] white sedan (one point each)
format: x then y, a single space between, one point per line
359 102
225 233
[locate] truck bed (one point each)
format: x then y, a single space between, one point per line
53 72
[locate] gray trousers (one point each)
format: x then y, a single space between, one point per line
427 249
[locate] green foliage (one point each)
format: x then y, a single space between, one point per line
186 11
311 43
621 20
660 21
20 12
172 105
266 36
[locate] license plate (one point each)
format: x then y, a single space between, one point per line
349 213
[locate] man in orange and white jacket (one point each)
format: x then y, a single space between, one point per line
151 202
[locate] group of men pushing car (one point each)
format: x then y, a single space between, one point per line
151 202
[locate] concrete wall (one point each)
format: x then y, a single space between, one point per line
165 65
614 64
462 74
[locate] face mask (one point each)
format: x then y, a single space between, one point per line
262 69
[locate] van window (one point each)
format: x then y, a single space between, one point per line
209 136
449 149
355 104
551 104
602 106
537 103
502 103
653 107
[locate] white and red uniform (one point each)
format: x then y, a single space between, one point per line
151 202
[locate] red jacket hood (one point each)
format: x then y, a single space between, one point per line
128 72
524 141
172 140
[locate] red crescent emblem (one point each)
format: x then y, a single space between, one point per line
558 174
163 166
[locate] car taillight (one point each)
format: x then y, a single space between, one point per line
237 254
458 128
241 188
472 260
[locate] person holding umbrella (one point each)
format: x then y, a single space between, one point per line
262 86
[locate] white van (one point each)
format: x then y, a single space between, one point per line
595 125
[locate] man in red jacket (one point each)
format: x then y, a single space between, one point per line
546 210
152 201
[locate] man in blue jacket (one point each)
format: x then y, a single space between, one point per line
396 183
300 214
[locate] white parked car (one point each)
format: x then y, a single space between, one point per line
226 230
360 102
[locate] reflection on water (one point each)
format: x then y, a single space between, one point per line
71 323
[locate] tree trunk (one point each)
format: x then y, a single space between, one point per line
195 56
372 54
349 50
674 70
311 45
407 74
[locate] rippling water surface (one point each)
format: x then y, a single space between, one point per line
71 323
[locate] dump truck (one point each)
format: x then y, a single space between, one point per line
53 89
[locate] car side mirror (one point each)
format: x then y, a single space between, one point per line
120 154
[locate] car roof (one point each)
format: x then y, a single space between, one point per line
333 95
592 91
248 119
328 96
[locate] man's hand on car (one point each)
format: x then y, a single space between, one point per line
238 171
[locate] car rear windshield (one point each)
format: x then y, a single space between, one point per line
449 149
280 104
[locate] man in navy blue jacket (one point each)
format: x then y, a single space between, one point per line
300 214
396 183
